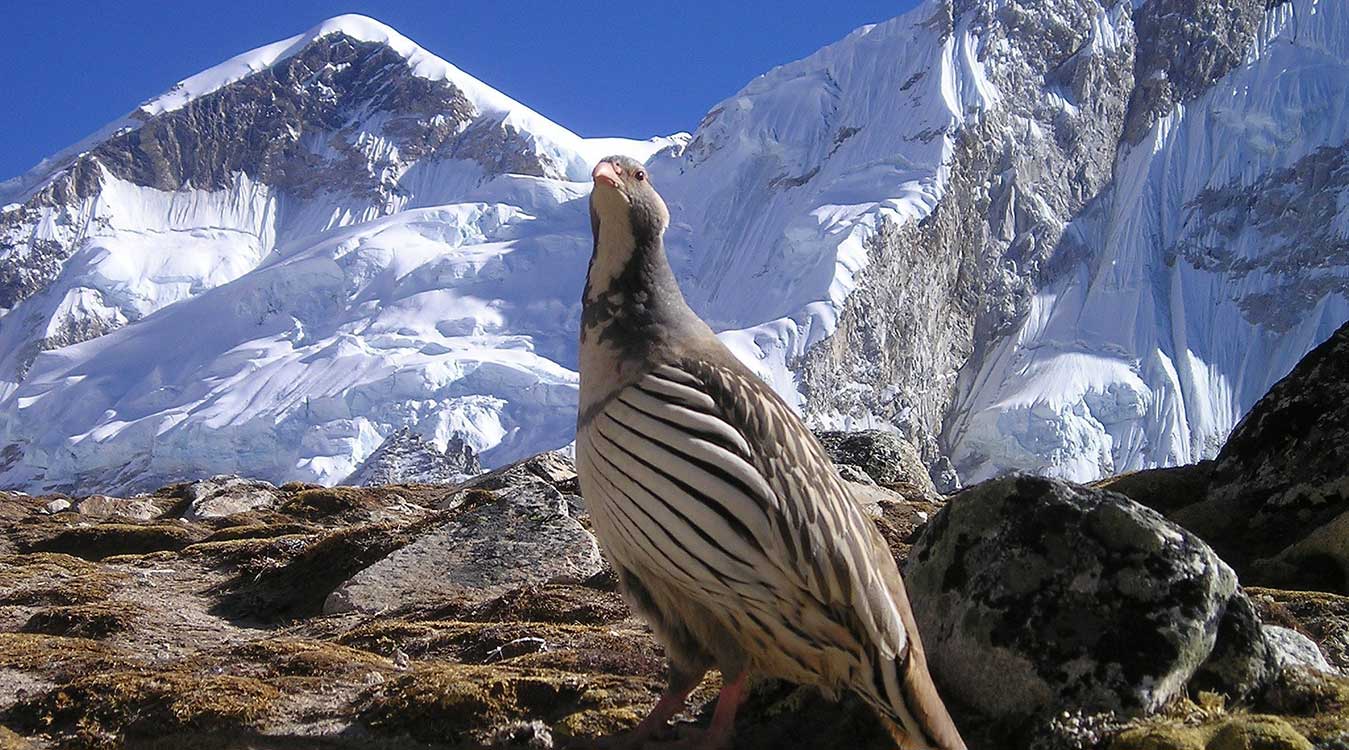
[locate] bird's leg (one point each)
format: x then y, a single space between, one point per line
681 683
723 717
718 734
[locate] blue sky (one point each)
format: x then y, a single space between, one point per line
600 68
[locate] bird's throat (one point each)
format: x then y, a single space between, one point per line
631 307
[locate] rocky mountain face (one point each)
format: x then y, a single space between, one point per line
404 457
1073 237
1125 255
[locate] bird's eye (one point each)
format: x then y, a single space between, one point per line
641 175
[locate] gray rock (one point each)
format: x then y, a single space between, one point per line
102 506
944 476
56 506
553 467
407 458
1242 661
521 735
872 496
497 540
1076 599
1290 648
225 495
887 458
854 473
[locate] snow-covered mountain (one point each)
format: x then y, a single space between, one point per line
282 260
1070 236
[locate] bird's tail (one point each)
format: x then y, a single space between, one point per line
901 691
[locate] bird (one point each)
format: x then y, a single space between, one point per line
728 528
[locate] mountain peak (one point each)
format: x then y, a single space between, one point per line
355 26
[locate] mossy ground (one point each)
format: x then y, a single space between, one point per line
210 635
106 709
60 656
53 579
620 650
99 541
95 620
1302 710
457 703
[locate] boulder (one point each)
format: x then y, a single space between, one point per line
556 468
854 473
553 467
407 458
1322 616
1242 661
944 476
1278 500
103 506
890 460
494 541
224 495
1077 599
1290 648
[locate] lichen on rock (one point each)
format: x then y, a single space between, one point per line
1076 598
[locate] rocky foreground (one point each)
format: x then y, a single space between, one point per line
231 613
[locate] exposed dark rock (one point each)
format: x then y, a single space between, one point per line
1278 503
1293 213
1164 490
1077 599
1243 659
1184 47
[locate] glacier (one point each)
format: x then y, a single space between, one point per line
1149 354
403 247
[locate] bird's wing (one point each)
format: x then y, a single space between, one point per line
752 496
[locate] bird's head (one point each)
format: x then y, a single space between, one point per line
624 199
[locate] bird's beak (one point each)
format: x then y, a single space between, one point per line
606 173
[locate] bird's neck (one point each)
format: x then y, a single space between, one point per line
631 309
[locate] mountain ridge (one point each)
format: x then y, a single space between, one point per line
911 204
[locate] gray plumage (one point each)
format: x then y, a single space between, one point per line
730 530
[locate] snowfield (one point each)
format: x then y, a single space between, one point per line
284 333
